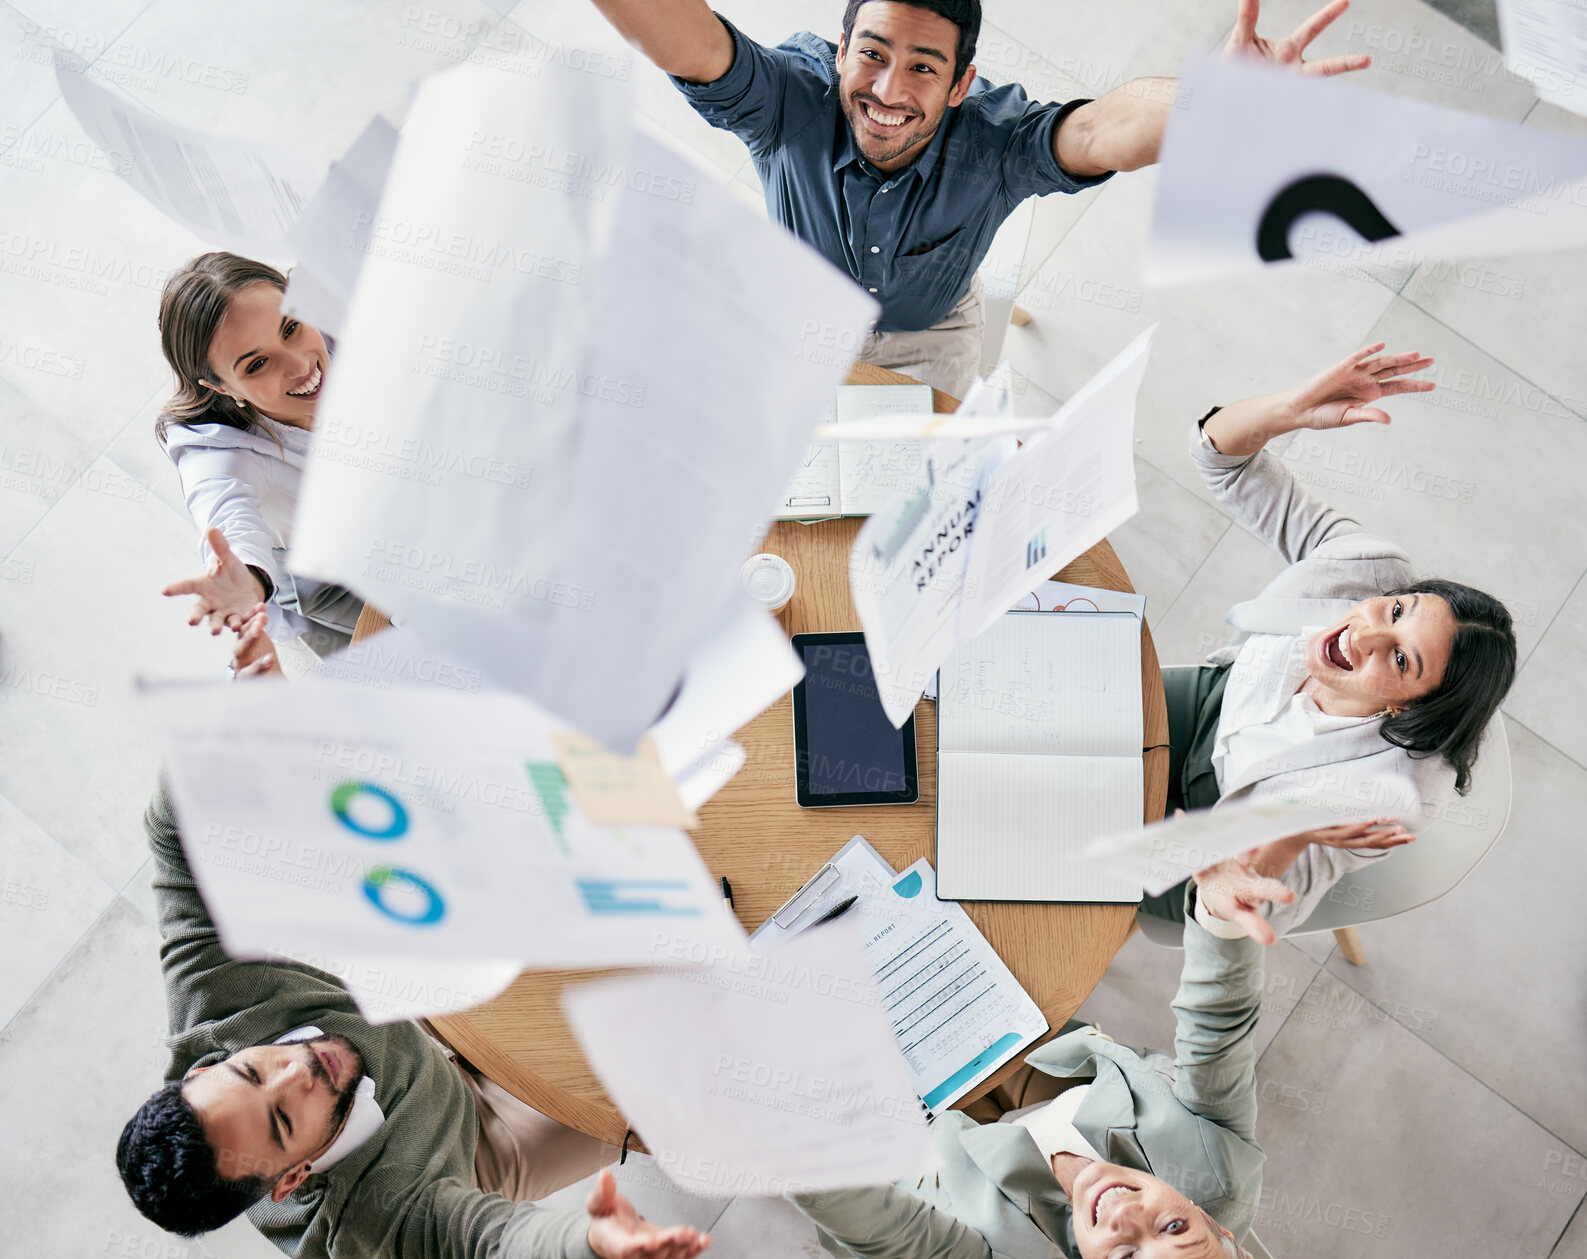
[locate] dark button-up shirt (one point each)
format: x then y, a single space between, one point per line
914 237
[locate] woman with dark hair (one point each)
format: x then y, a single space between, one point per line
248 379
1357 687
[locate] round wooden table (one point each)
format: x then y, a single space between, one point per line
755 834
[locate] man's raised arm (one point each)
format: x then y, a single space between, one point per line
683 37
1123 130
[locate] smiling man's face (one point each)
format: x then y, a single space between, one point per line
270 1110
895 80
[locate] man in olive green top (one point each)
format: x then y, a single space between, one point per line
339 1138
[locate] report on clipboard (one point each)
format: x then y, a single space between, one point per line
957 1010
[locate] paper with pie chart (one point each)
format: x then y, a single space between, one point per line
415 823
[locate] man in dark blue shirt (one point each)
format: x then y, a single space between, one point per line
887 154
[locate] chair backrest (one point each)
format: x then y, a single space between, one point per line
1255 1248
1002 273
1453 836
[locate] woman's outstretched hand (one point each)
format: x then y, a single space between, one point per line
1336 398
1340 396
254 654
227 592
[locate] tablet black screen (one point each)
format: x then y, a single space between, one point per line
848 746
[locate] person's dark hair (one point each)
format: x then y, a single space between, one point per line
965 14
1451 719
169 1169
195 300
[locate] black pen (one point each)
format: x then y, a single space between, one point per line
727 892
837 911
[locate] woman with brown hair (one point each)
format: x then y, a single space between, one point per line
248 379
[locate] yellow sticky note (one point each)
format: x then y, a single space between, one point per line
615 790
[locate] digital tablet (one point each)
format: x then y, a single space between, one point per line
846 751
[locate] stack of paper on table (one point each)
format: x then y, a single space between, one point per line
856 478
1039 735
956 1009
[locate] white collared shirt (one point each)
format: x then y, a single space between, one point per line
1266 715
1052 1124
363 1120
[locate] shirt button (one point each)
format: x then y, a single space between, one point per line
876 249
873 290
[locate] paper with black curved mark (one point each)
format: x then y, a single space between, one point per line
1262 167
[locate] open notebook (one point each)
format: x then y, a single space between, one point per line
1038 753
858 478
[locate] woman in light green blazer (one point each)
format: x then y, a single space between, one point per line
1172 1168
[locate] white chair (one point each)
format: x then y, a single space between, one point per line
1453 836
1002 272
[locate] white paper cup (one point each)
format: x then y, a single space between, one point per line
769 579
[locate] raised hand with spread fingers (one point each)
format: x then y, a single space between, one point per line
1289 51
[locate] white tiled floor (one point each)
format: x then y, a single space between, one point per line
1429 1102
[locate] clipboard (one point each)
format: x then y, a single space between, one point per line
856 869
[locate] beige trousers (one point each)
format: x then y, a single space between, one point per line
522 1154
946 356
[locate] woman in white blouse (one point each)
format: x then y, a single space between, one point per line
1357 687
247 382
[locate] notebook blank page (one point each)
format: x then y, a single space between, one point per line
1011 828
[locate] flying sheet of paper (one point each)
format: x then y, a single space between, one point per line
1545 41
742 668
776 1074
935 569
232 192
736 673
389 990
619 790
1264 165
1166 853
446 425
1060 495
334 233
414 823
906 571
687 429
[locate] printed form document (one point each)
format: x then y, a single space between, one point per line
957 1011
